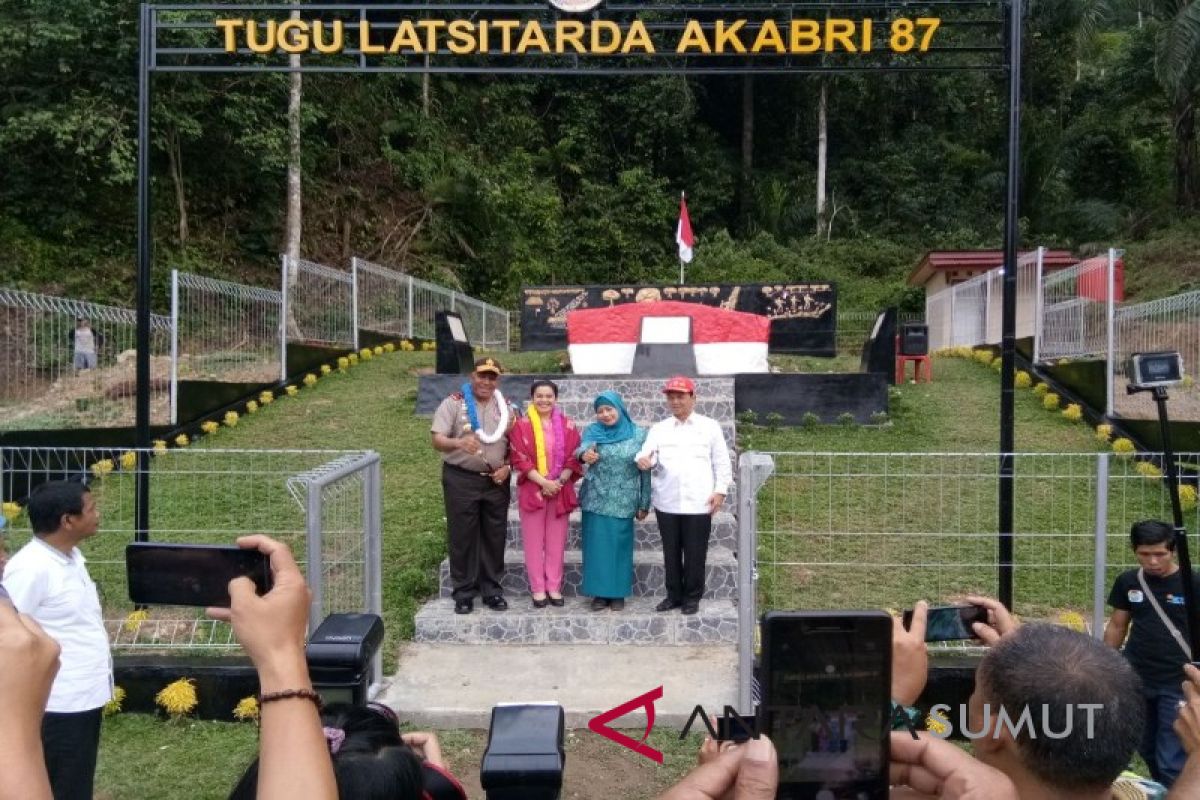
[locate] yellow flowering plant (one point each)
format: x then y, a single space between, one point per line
160 446
113 706
251 407
1187 496
377 350
128 460
366 354
1022 380
265 398
310 380
1123 447
984 357
1050 401
997 363
246 710
178 698
388 347
1104 433
1041 389
292 391
182 440
1073 620
1073 412
102 467
134 620
326 369
10 510
1148 469
231 419
343 363
210 427
353 359
407 346
428 346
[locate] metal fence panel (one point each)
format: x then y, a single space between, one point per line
223 331
883 530
213 496
319 303
41 388
395 302
1170 323
1074 318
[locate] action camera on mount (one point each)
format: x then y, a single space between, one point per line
525 756
1150 370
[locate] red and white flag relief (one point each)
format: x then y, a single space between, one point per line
683 234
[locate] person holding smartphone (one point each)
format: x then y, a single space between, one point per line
1150 600
48 580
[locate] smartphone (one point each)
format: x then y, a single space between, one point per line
949 623
191 574
826 678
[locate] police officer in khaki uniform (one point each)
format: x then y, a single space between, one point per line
470 429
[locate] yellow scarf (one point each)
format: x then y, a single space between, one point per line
539 440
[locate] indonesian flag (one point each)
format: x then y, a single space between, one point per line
683 233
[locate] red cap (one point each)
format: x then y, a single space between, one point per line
680 383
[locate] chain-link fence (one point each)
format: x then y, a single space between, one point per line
58 372
324 504
223 331
318 304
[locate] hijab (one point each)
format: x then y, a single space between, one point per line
599 433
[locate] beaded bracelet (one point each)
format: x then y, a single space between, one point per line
287 694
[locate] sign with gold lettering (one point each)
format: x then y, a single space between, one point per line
803 315
593 37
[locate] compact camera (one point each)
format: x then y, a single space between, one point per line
1150 370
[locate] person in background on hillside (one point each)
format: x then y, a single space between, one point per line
542 448
470 429
48 580
84 343
1150 598
614 493
692 473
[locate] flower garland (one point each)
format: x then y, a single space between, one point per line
473 415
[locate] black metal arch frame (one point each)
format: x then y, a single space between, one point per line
185 38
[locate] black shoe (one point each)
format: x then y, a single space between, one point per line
463 606
540 603
495 603
557 602
667 604
690 607
599 604
618 604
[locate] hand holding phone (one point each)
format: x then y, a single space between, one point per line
191 574
950 623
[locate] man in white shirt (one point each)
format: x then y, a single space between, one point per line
47 580
691 476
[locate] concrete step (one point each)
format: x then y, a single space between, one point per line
648 579
645 534
575 623
445 686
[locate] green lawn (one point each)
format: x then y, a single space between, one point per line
880 530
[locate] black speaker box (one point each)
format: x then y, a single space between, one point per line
914 340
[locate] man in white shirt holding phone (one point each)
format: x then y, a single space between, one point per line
47 579
691 474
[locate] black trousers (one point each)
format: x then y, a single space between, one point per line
685 549
70 743
476 524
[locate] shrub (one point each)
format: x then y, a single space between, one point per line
747 418
1041 389
846 419
1123 447
1187 497
1023 379
997 363
810 420
1050 402
1104 433
879 418
1073 412
983 357
1148 469
774 420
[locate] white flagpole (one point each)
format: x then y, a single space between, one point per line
681 201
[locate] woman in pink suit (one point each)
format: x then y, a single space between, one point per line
542 448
